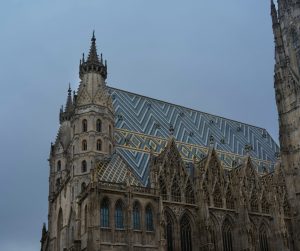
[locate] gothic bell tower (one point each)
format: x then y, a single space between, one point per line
93 119
85 136
286 29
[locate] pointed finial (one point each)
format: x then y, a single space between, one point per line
93 38
69 90
82 57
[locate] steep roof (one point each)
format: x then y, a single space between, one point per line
142 123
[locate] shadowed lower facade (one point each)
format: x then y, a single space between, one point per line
128 172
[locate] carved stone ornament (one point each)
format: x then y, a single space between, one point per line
177 210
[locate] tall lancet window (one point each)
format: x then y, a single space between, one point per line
217 197
83 166
254 201
119 217
84 125
263 239
229 200
136 216
175 190
265 206
227 236
185 234
99 145
149 219
169 232
84 145
104 213
99 125
59 230
189 193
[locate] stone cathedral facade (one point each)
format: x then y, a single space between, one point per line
128 172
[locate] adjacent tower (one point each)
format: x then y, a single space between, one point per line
286 29
85 137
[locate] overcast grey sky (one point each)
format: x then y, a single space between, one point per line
214 56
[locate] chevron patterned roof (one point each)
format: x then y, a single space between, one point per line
142 123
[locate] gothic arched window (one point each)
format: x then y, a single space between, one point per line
212 234
99 145
185 234
99 125
104 213
84 145
110 149
175 190
163 189
136 216
58 166
254 202
265 206
189 193
149 219
217 197
227 236
83 166
59 230
229 200
263 239
119 217
84 125
169 232
71 228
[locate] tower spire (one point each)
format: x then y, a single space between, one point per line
93 64
93 56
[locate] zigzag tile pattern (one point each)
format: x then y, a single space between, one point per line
143 123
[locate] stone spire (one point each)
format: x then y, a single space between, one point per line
65 114
93 63
69 104
93 56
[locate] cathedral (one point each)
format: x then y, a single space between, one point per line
129 172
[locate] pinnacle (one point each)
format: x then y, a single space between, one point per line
69 99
